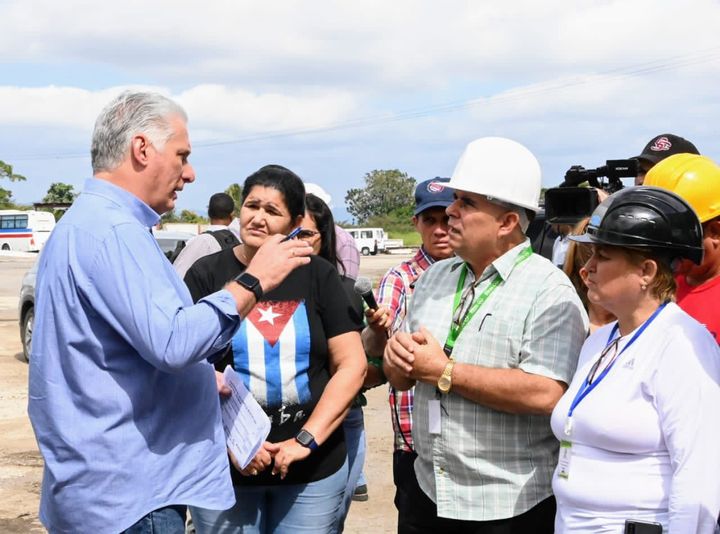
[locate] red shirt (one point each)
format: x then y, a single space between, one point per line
701 302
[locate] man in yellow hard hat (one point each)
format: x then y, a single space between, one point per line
697 180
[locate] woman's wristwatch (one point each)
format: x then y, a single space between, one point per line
306 439
250 283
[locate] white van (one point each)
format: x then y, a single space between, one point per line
368 240
25 231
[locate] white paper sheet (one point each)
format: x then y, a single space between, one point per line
246 424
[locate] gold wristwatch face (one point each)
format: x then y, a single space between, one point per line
444 383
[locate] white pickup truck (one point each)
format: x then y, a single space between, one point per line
368 240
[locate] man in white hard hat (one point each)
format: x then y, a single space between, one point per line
490 343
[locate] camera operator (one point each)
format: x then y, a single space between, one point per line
658 148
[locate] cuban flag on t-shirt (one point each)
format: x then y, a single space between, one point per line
271 351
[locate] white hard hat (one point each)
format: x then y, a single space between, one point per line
499 168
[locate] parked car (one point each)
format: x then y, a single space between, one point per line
26 309
168 241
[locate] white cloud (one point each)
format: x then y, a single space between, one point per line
576 82
217 110
237 110
57 106
372 44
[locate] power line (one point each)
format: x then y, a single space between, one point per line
647 68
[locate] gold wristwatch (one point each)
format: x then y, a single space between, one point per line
445 381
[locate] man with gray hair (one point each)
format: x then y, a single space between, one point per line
123 403
490 342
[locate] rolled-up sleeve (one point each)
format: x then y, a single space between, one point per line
131 285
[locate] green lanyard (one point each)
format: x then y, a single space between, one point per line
455 329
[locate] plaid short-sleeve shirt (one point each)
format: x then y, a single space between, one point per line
486 464
394 291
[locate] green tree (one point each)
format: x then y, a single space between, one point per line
59 193
6 171
385 192
235 192
6 201
169 217
189 216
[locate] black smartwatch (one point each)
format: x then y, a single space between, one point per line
250 283
306 439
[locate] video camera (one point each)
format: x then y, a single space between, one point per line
568 203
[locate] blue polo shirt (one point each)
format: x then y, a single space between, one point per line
122 401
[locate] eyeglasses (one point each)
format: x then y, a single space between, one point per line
307 234
466 300
612 347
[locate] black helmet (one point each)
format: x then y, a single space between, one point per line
647 218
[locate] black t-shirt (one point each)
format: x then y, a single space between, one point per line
281 352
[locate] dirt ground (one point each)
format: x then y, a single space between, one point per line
21 463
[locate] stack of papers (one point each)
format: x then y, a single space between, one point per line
246 424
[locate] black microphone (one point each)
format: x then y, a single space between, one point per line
363 287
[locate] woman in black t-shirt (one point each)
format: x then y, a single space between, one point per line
299 353
319 227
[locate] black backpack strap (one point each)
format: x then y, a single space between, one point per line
225 238
173 254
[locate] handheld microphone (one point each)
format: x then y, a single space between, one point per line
363 287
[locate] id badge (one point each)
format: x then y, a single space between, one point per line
564 459
434 417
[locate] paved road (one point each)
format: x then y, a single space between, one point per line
11 272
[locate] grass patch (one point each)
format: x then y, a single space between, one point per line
410 239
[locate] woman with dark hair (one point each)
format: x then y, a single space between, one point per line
637 425
319 232
576 256
299 354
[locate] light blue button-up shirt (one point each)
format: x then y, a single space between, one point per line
123 404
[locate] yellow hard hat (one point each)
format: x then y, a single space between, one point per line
695 178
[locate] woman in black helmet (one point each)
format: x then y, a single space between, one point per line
638 427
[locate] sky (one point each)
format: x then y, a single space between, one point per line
334 89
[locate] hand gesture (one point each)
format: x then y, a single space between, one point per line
429 358
285 453
380 319
276 258
263 458
399 357
223 389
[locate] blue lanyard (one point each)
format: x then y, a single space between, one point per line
587 387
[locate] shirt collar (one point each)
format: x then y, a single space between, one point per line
502 265
142 212
423 259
